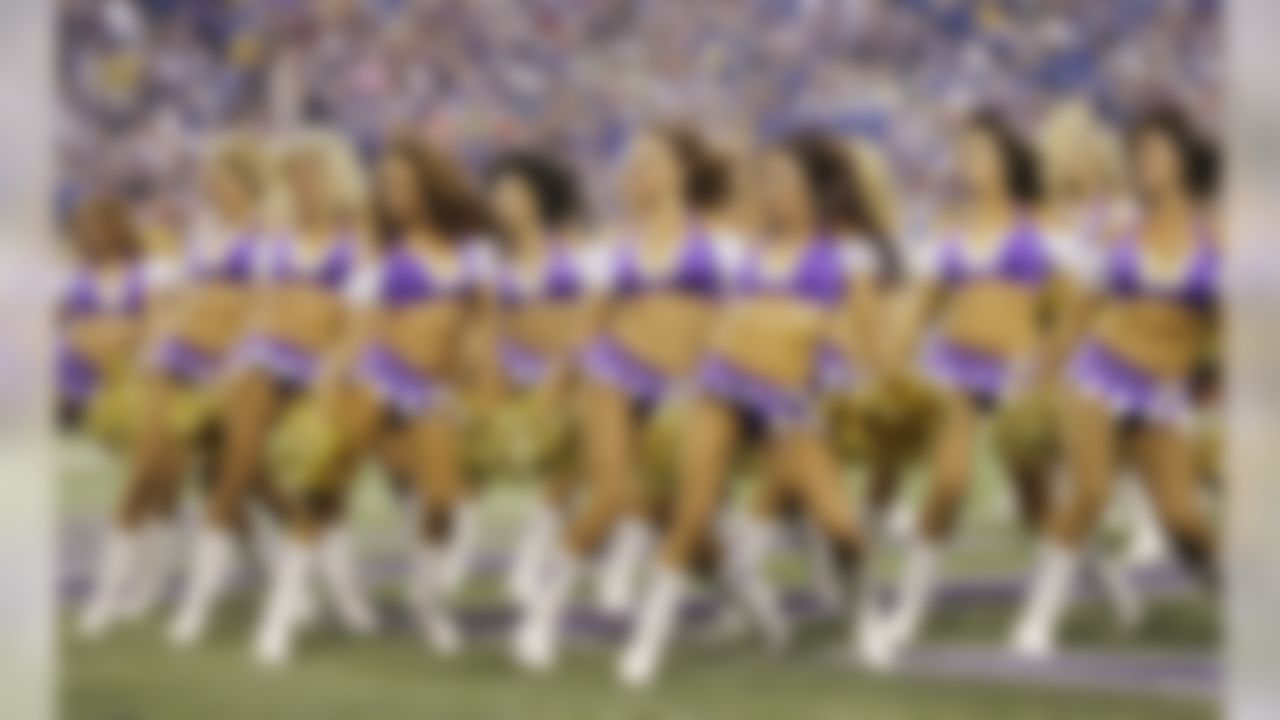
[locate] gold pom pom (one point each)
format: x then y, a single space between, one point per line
193 409
660 441
112 415
303 447
846 421
1025 430
517 439
900 415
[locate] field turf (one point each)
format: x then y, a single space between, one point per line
134 675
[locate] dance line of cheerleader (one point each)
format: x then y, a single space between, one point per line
674 388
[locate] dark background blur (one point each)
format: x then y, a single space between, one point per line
142 81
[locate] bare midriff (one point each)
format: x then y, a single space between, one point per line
212 316
992 316
427 336
666 331
302 314
107 342
550 329
773 338
1154 335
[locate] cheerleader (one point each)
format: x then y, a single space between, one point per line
1086 185
857 434
662 281
989 276
194 339
426 302
1086 204
889 427
715 210
1144 320
102 318
801 291
541 286
282 354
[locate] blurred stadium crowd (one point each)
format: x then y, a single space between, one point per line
144 81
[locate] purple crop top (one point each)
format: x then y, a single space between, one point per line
1197 286
238 262
698 269
822 274
88 294
405 277
559 279
331 270
1024 258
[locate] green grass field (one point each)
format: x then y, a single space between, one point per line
135 675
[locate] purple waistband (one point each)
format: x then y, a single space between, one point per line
973 371
184 361
282 359
605 360
1127 390
777 406
398 384
77 377
524 367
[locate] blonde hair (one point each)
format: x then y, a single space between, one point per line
241 156
877 181
1071 137
337 161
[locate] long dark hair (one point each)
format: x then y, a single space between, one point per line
838 197
1198 155
447 197
705 173
553 184
108 215
1023 178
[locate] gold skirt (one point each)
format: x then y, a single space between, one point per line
518 439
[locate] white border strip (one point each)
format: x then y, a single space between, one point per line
1253 278
26 268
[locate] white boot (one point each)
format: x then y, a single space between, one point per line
291 583
865 632
747 547
733 616
535 541
1114 578
460 554
656 621
1035 634
626 555
873 644
822 564
915 598
210 572
430 600
900 523
340 578
119 562
159 554
537 637
266 540
1147 544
